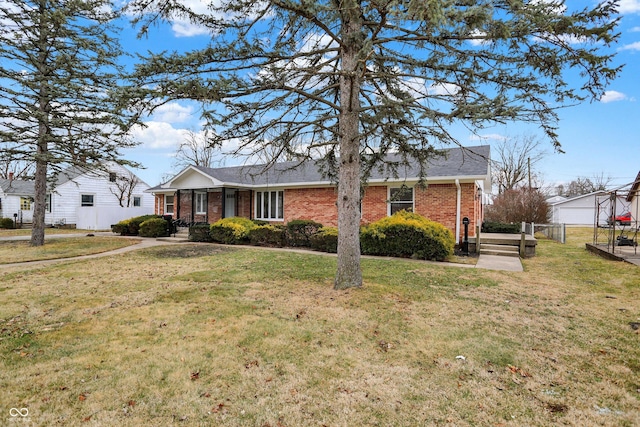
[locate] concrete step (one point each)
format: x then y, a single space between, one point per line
505 248
507 253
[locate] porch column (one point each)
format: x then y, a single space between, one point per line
193 205
224 202
176 204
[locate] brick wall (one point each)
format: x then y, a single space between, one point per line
214 206
437 202
318 204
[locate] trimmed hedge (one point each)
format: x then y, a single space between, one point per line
299 232
154 227
501 227
6 223
233 230
268 235
200 233
407 234
131 226
325 240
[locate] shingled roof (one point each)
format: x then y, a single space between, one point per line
17 187
469 162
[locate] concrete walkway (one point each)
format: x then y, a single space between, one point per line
487 262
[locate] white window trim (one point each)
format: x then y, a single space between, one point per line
389 203
93 200
133 201
255 205
201 210
172 204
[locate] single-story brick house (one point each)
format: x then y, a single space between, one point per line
455 184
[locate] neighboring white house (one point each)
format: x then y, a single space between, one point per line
86 199
93 200
580 210
16 199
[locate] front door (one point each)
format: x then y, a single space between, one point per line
230 203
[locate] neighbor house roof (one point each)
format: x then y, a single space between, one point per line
457 163
17 187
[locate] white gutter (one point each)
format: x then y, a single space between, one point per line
458 202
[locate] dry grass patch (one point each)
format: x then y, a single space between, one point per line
21 251
205 335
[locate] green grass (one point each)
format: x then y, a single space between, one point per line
206 335
22 251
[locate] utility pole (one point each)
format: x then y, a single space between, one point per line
529 171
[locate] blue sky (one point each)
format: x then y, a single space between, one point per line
599 138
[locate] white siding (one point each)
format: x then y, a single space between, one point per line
66 200
10 205
579 211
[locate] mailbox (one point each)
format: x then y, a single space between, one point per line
465 242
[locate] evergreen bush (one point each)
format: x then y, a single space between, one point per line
267 235
407 234
299 232
153 227
501 227
233 230
131 226
325 240
6 223
200 233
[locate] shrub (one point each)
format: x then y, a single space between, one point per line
299 232
501 227
200 233
234 230
6 223
131 226
267 235
407 234
325 240
153 227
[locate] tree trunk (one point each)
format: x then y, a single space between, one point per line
40 199
42 150
349 274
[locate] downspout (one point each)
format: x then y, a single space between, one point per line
458 203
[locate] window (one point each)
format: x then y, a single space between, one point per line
400 198
269 205
25 203
112 177
137 201
201 203
47 203
168 205
86 200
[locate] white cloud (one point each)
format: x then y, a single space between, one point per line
612 96
635 30
490 136
443 89
629 6
173 113
158 135
480 40
632 46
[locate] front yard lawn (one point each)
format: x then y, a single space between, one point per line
20 251
206 335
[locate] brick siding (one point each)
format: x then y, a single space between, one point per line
437 202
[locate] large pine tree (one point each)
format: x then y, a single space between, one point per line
356 79
61 99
